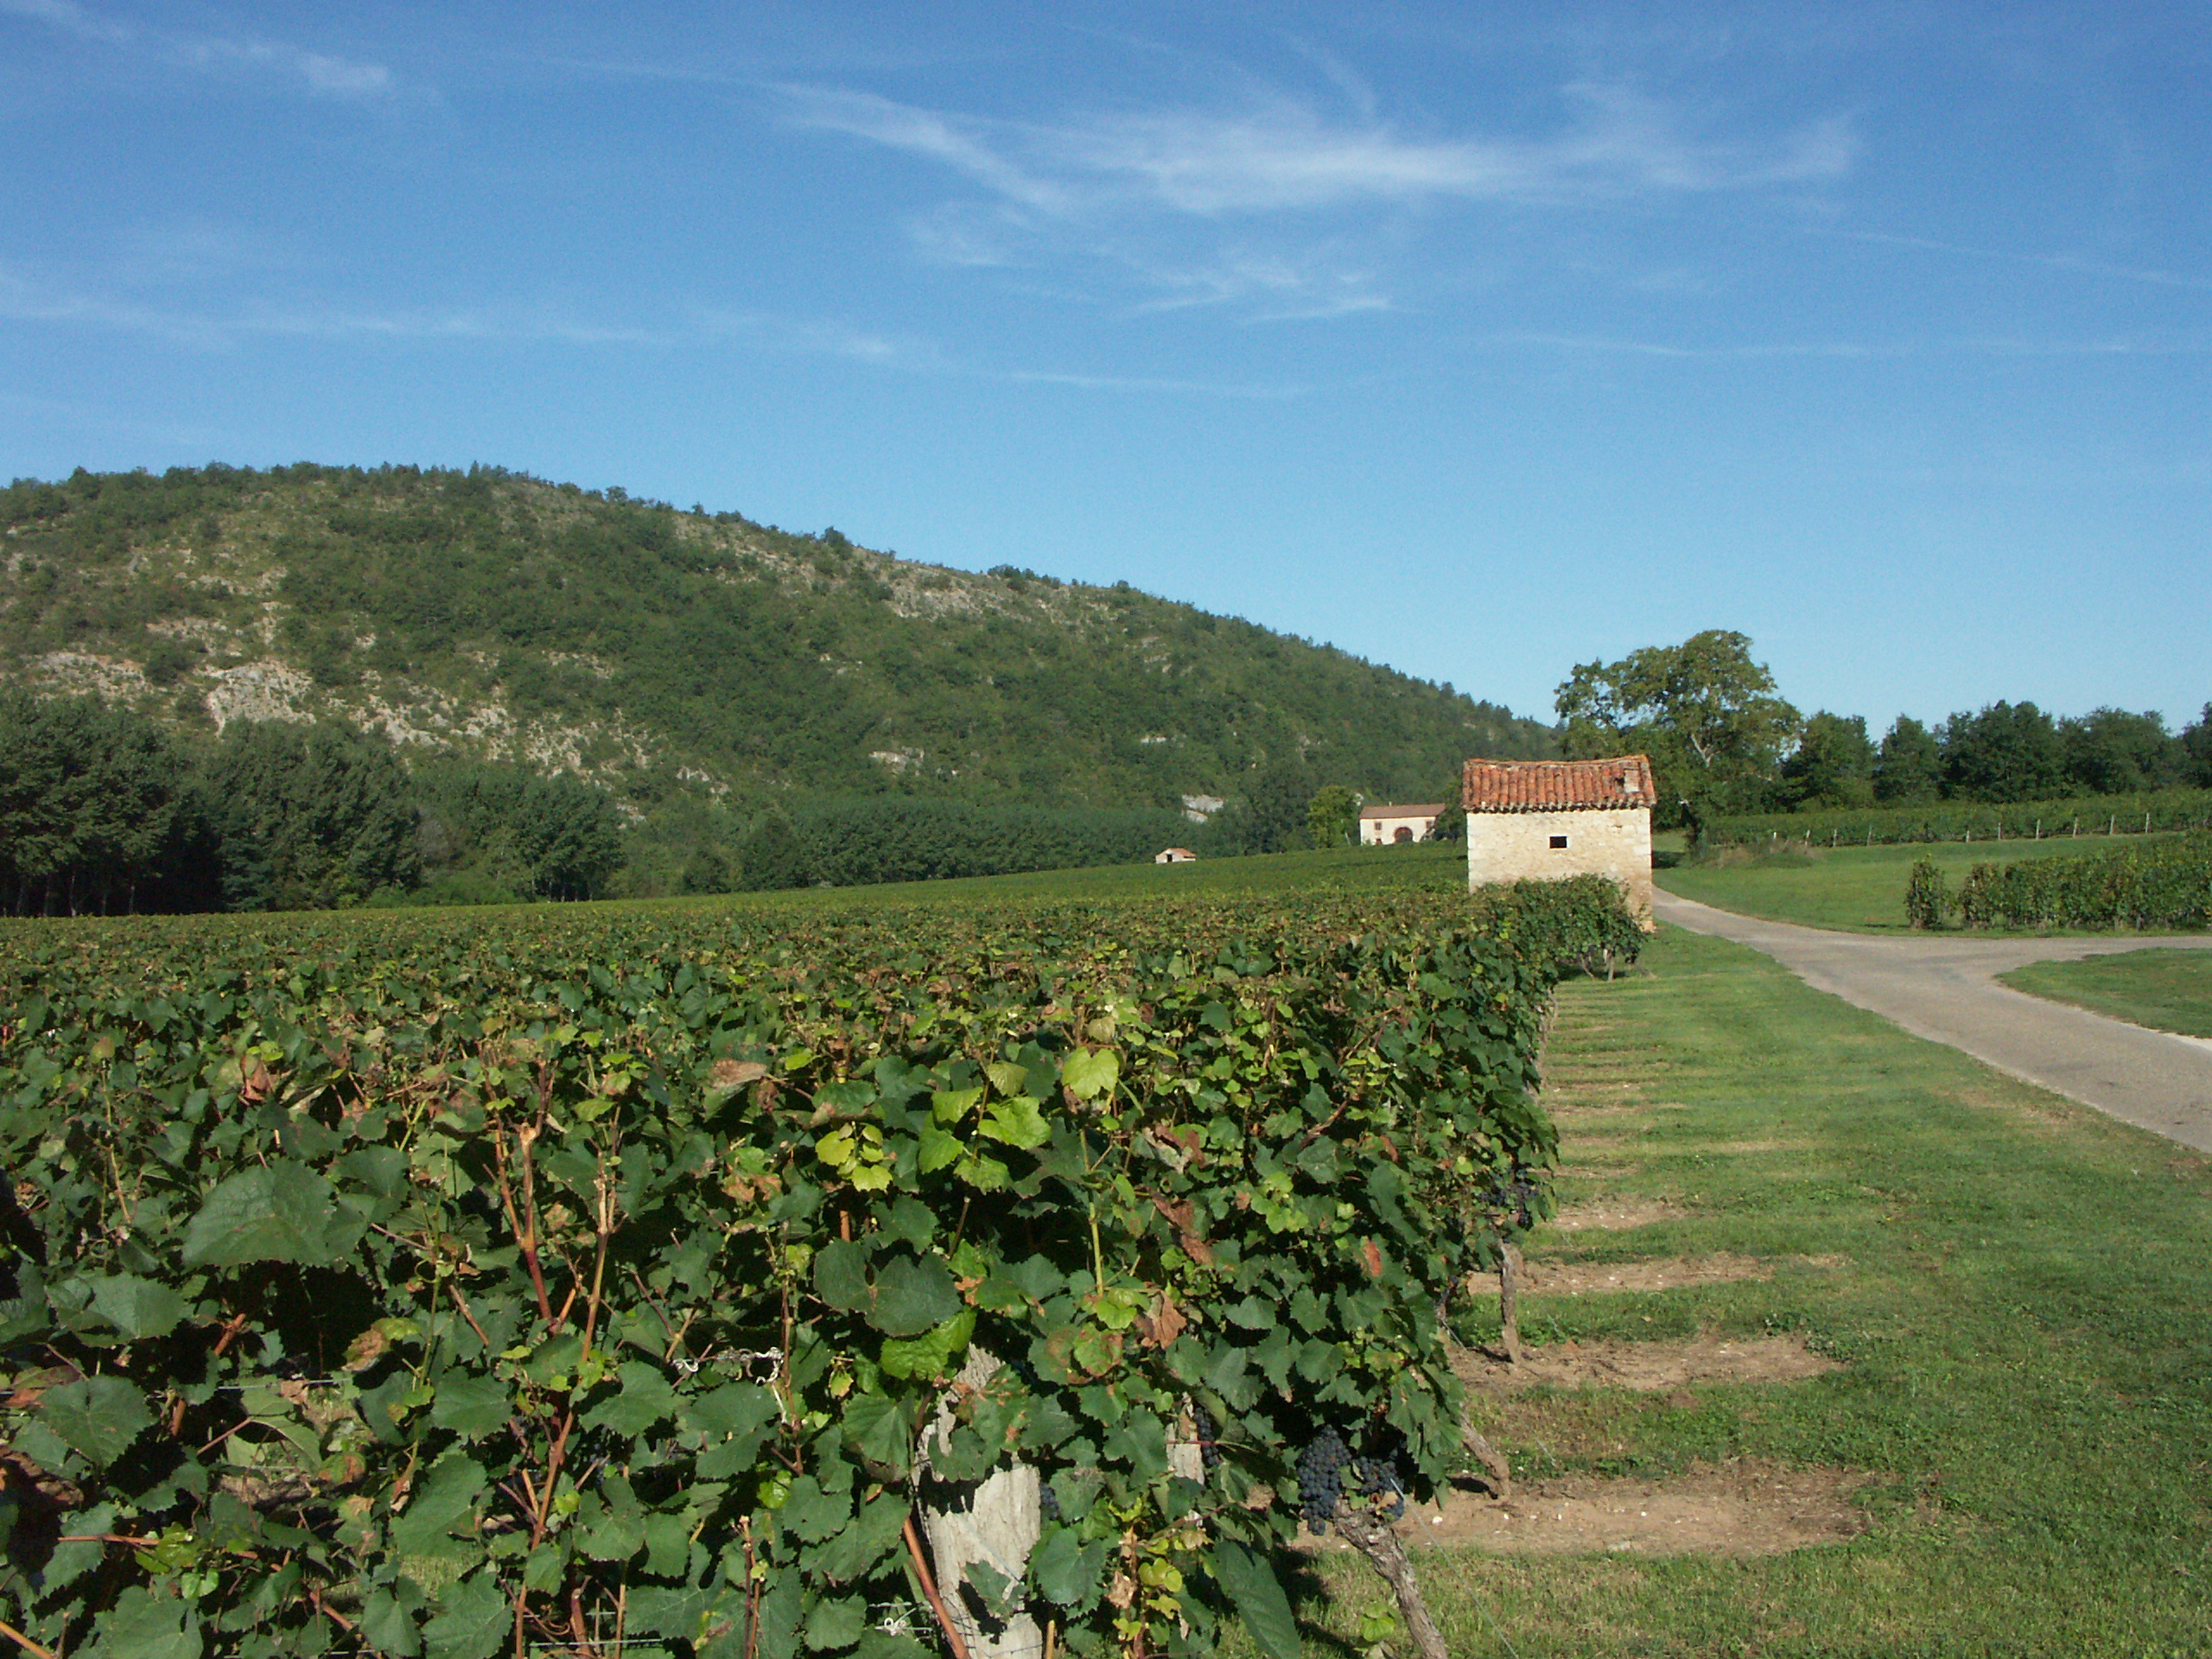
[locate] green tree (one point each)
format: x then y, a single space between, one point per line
1267 816
1833 764
706 871
773 857
2195 746
554 838
2110 751
1332 816
2009 752
1703 710
1909 768
1451 822
311 818
92 804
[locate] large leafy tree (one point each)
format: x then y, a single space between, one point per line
2110 751
2009 752
1267 816
1833 765
2195 746
310 816
93 806
1332 816
1909 770
1705 712
554 838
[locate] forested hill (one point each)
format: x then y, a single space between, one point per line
492 616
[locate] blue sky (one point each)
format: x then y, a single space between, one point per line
1478 340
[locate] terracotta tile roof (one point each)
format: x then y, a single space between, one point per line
1428 809
1558 786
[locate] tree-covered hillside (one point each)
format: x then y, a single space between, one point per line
668 653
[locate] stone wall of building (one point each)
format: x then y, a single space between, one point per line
1600 841
1383 831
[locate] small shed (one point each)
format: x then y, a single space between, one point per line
1174 855
1541 819
1388 826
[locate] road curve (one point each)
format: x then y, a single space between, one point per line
1943 988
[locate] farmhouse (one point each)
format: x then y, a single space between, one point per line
1385 826
1541 819
1174 855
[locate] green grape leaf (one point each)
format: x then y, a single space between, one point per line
98 1416
1251 1585
1067 1570
473 1621
929 1356
1016 1121
138 1307
471 1407
912 1296
645 1397
1090 1072
282 1213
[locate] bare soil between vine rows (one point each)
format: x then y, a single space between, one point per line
1550 1276
1646 1367
1614 1214
1736 1510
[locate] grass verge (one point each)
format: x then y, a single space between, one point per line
1855 889
2166 991
2019 1289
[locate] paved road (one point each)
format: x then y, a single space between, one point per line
1944 988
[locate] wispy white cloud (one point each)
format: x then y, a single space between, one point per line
23 299
1600 344
966 146
1284 155
1767 351
1272 286
319 72
1253 207
71 19
814 337
2047 261
1142 383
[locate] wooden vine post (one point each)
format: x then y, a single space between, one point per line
1509 1302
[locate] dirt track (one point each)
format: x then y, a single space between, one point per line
1945 989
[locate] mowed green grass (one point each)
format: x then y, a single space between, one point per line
2166 991
2020 1291
1858 889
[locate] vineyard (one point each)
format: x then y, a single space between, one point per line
689 1281
1875 826
2167 884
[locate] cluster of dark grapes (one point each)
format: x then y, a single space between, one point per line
1209 1433
1320 1478
1511 1196
1048 1501
1328 1470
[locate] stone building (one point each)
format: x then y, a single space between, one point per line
1541 819
1386 826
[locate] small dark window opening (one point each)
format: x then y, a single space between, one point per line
1559 841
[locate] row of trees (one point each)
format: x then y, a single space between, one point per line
1722 740
903 838
102 812
2006 751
